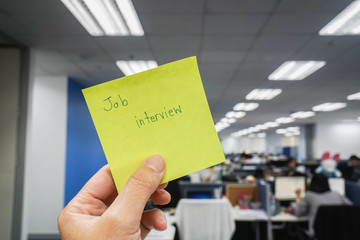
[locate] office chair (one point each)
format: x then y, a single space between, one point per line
205 219
337 223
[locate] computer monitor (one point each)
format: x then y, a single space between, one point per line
199 193
337 185
201 190
285 187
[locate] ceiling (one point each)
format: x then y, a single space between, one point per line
238 44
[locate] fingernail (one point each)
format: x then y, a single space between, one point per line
156 162
163 219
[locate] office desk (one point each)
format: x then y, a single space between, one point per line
251 215
286 217
260 215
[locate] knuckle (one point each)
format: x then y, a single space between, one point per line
143 181
60 217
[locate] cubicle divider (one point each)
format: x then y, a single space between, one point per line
260 191
264 195
233 191
352 191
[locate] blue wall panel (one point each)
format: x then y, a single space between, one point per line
84 154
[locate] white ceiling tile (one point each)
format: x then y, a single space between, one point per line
49 24
268 56
227 42
55 63
34 6
175 43
312 6
178 24
233 23
164 57
120 54
122 43
240 6
86 55
222 57
296 23
169 6
280 42
62 42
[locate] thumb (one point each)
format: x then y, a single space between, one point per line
141 185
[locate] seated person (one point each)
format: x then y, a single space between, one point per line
350 170
291 168
328 165
319 193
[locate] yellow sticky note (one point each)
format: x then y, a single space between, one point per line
163 110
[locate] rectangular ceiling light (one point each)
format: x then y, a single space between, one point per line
328 107
355 96
221 125
106 17
132 67
233 114
346 22
290 131
228 120
284 120
271 124
245 107
296 70
302 114
263 94
281 131
261 135
261 127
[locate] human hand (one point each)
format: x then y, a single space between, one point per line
98 212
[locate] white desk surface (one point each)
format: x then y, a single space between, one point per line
249 215
286 217
260 215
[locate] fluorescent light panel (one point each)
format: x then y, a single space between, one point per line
106 17
271 124
328 107
355 96
263 94
284 120
261 135
228 120
233 114
296 70
261 127
345 23
221 125
290 131
132 67
280 131
245 107
302 114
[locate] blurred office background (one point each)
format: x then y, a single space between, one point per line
50 50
